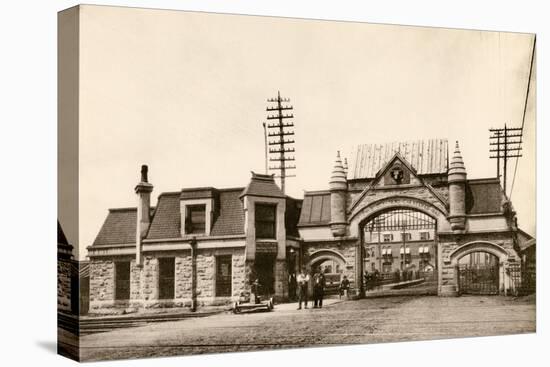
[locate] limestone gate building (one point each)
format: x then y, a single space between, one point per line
199 246
399 207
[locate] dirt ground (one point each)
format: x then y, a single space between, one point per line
350 322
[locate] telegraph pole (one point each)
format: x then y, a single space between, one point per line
280 129
265 147
506 143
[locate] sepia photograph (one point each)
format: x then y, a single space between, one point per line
235 183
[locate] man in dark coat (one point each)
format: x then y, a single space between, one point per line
303 282
318 288
344 287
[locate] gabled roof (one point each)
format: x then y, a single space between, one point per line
61 239
263 185
397 156
292 216
483 196
166 221
120 225
315 209
230 218
64 248
119 228
525 240
426 156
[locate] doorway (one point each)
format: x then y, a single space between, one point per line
264 267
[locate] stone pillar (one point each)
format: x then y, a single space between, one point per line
457 192
359 290
281 281
193 245
143 190
338 190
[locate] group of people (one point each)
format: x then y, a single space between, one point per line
319 284
300 286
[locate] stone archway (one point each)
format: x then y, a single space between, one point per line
484 274
332 264
325 254
478 246
362 214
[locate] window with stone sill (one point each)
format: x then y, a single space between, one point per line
265 219
167 269
122 280
195 219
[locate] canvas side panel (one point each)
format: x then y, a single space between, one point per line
67 182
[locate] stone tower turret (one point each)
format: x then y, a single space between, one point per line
457 191
338 189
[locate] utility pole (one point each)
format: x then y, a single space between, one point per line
265 147
280 129
506 143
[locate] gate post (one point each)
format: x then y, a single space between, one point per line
457 279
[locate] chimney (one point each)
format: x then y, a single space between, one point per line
143 191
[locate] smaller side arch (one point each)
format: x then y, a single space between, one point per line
326 254
476 246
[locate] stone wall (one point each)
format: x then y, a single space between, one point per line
102 287
147 279
184 280
144 281
281 281
206 270
239 274
64 286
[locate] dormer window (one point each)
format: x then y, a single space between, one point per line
195 220
265 218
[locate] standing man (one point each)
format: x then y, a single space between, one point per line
302 280
318 288
292 286
344 287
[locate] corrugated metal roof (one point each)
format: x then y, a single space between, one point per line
315 209
425 156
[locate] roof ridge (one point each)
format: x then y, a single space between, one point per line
124 209
484 180
169 193
403 141
232 189
316 192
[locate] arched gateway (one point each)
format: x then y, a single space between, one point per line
404 208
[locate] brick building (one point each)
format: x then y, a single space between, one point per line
400 206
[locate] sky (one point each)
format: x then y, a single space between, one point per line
185 93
